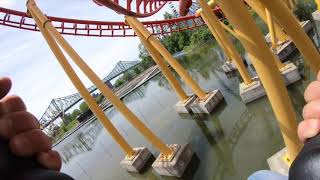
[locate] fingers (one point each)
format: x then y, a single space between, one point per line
5 86
22 130
312 110
17 122
29 143
26 139
50 160
308 129
312 92
11 104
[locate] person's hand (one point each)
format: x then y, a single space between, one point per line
22 130
310 126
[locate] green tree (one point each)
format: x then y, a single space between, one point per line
75 114
200 35
137 70
176 41
83 107
146 60
99 98
304 9
119 82
67 118
128 76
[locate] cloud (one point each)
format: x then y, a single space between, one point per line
6 3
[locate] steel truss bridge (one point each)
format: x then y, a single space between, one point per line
58 106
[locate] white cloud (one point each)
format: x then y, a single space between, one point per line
6 3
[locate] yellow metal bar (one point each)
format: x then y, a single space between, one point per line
288 4
214 25
274 50
276 59
117 103
222 45
318 4
80 87
259 8
260 55
231 31
218 39
220 42
163 66
273 40
211 3
167 56
293 28
292 5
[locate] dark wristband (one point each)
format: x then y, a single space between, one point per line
307 164
18 168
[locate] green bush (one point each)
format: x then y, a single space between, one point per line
200 35
84 107
304 9
99 98
64 129
71 125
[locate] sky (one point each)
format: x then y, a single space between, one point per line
27 60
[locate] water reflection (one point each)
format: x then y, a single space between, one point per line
223 146
137 94
83 142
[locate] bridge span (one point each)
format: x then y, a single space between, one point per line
58 106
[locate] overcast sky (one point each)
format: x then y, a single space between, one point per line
36 74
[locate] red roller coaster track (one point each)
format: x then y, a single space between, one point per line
21 20
143 8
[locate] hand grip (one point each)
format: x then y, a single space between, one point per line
18 168
307 164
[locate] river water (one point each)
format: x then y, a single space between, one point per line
231 143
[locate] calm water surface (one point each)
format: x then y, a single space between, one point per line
231 143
